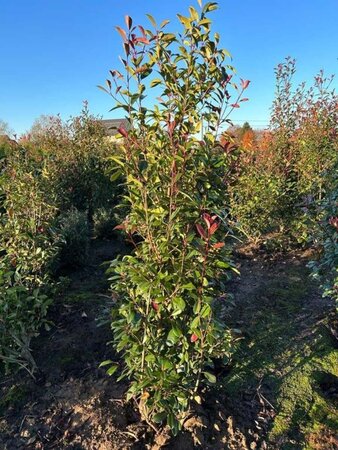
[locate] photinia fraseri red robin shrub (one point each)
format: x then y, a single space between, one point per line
325 238
174 167
277 190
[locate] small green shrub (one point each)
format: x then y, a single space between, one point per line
105 220
51 184
27 247
74 235
325 268
26 235
76 163
22 313
254 203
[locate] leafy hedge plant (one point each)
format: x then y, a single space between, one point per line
22 313
75 156
27 246
73 238
174 167
27 238
277 188
43 179
105 222
325 268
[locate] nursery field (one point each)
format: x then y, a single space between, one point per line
280 391
172 281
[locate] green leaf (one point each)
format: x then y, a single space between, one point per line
165 364
159 417
112 369
178 305
210 377
155 82
205 312
117 160
195 323
173 424
184 20
172 338
223 265
177 331
116 175
188 287
152 20
211 6
134 180
193 13
106 362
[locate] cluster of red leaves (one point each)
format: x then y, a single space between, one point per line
212 223
333 221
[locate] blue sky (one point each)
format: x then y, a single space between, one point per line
53 53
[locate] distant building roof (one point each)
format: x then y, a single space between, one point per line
7 139
111 125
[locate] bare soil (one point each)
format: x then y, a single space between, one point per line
73 404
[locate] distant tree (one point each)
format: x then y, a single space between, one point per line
5 129
41 128
244 129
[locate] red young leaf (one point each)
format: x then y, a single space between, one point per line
129 21
218 245
120 227
142 30
143 40
141 69
201 230
214 228
126 48
122 33
171 127
116 73
193 338
244 99
235 105
155 306
333 221
245 84
207 219
123 131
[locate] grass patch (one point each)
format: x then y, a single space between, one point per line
14 397
291 351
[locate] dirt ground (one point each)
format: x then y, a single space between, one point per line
269 397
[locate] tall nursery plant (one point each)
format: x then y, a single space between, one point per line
174 168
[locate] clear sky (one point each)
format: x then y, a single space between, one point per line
53 53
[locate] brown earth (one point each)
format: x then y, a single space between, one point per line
73 404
